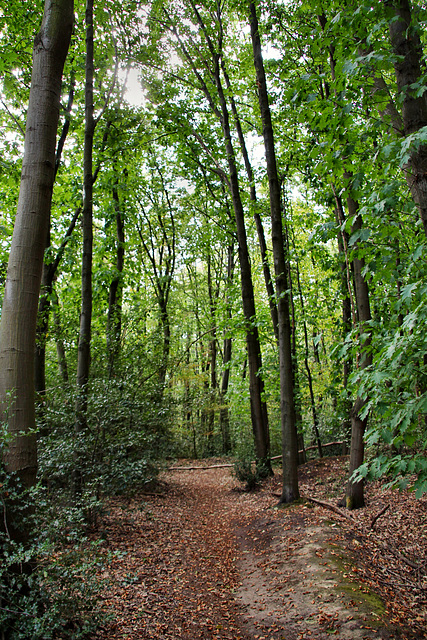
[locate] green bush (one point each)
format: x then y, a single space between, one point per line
250 473
47 588
58 597
118 453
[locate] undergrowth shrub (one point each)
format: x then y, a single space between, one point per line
58 598
49 582
251 474
120 451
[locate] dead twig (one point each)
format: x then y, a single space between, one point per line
382 512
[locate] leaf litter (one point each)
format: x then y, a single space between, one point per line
200 558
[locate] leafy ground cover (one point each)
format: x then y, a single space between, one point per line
200 558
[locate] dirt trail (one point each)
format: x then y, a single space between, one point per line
202 560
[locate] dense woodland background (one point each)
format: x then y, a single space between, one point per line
236 250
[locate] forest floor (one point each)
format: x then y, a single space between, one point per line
201 559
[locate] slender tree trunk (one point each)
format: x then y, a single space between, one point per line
41 339
49 270
259 415
258 221
346 314
161 255
302 456
256 384
48 277
166 331
224 415
224 418
290 491
213 297
114 320
19 312
308 370
83 358
60 349
355 490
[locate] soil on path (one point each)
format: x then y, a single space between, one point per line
200 559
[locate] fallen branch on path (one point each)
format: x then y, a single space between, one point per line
400 556
211 466
153 495
333 508
228 465
384 546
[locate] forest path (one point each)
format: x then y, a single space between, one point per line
203 560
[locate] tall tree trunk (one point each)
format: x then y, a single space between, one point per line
213 297
409 70
302 456
258 221
259 415
60 349
165 322
48 277
49 270
308 368
19 312
290 491
355 490
161 252
41 337
347 314
83 357
224 418
114 319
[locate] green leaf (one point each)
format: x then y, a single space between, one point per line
410 321
406 291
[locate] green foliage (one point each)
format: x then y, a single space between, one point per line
246 472
127 434
396 391
49 582
59 596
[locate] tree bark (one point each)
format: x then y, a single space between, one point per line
408 66
83 356
302 458
258 221
19 312
114 319
355 490
347 324
48 276
60 348
213 300
290 491
224 418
